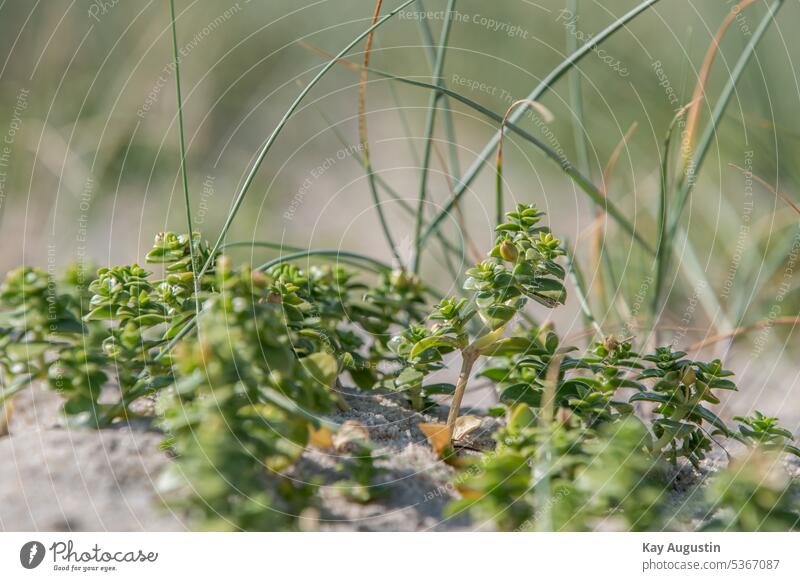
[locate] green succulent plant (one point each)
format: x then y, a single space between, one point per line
520 266
764 432
754 493
681 388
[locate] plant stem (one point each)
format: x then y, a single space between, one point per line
468 358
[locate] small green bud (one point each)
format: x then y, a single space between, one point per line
508 251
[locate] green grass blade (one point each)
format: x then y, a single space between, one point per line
363 136
541 88
262 154
576 97
182 140
447 247
567 167
663 244
716 115
430 123
583 300
449 125
324 253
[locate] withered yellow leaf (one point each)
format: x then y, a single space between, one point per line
322 438
438 436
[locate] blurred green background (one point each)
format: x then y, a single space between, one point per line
90 165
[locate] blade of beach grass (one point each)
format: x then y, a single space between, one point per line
566 166
601 255
546 83
663 243
693 168
336 254
333 253
770 188
449 125
705 71
182 142
694 274
606 272
363 137
769 265
576 95
783 321
262 154
580 291
352 259
464 237
430 123
447 247
401 112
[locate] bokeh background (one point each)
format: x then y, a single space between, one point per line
90 165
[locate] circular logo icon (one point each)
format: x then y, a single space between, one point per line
31 554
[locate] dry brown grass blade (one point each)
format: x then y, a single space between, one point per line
362 81
615 155
787 200
610 165
328 56
705 72
743 330
543 111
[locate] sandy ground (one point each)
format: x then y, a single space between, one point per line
56 478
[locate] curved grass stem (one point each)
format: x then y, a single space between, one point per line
262 154
546 83
693 167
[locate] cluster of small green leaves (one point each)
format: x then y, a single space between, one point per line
565 477
326 305
239 413
44 338
597 465
589 389
520 266
240 398
764 432
83 338
754 493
